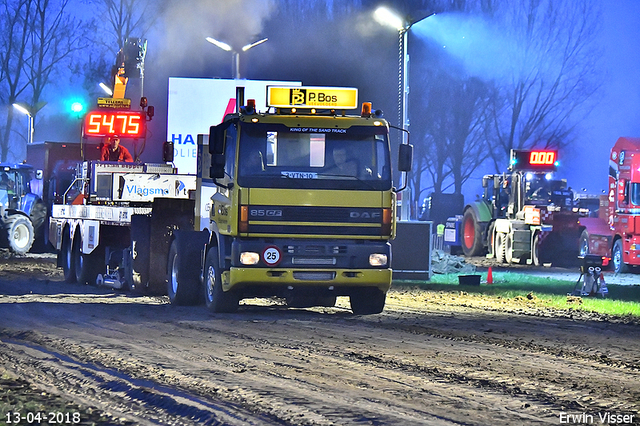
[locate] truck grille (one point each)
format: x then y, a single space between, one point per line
308 220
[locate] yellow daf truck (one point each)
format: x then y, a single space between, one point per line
303 205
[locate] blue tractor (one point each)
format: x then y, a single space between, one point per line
22 211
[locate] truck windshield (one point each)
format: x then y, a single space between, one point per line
275 156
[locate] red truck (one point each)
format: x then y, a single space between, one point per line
615 233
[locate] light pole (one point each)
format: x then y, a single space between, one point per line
389 18
235 59
106 89
28 113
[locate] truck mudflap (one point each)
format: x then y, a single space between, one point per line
342 280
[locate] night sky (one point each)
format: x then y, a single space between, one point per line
343 46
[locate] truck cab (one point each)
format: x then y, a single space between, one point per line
304 207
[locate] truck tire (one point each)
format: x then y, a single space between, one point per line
19 233
535 250
500 246
584 243
508 249
68 259
87 266
471 234
367 301
619 267
183 278
216 299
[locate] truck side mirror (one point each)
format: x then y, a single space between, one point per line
216 149
216 138
405 157
217 166
151 111
167 152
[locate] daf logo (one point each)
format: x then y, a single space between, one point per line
364 215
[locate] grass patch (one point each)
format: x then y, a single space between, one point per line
622 300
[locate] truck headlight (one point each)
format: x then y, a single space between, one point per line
377 259
249 258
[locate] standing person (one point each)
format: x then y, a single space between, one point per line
113 151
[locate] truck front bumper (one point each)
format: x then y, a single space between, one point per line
338 280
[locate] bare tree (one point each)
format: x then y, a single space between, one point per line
552 77
450 126
54 39
13 54
125 19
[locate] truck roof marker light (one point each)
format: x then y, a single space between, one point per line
293 110
254 120
377 123
548 176
313 110
366 109
529 176
250 108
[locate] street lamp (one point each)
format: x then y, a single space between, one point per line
106 89
389 18
28 113
235 59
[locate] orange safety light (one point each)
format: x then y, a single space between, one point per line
386 222
366 109
251 106
243 223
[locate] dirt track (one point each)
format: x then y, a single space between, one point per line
137 360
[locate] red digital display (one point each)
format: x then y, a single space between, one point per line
534 160
126 124
542 158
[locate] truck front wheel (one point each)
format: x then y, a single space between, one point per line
20 234
584 243
367 301
471 234
216 299
619 267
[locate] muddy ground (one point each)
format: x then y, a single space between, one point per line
108 357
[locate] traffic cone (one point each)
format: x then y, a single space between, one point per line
489 276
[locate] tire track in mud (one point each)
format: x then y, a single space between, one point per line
536 392
124 399
537 377
406 366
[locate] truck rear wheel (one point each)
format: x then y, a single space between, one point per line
508 249
19 233
367 301
87 266
500 246
535 250
182 274
471 234
619 267
68 259
216 299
